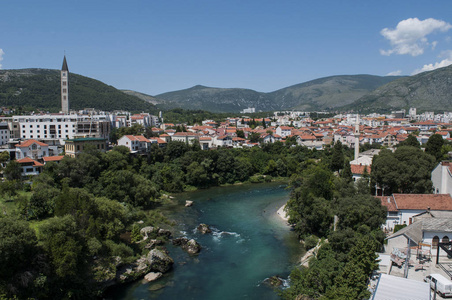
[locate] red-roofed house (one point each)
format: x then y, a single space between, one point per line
359 170
223 141
32 148
135 143
29 166
402 208
205 142
284 131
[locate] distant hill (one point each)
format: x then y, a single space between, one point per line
328 92
217 99
428 91
320 94
144 97
40 88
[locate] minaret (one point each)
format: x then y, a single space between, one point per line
357 137
65 87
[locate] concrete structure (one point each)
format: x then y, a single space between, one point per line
442 178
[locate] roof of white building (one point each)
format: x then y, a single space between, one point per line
392 287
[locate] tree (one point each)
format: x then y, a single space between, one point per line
13 171
337 157
17 247
254 137
411 140
240 134
59 238
346 172
407 170
434 145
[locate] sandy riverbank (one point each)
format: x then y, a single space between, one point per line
282 213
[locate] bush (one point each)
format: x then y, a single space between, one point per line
257 179
398 227
120 249
310 242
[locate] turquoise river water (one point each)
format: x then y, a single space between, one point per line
249 243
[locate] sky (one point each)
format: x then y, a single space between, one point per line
158 46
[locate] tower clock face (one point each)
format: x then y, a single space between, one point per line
64 74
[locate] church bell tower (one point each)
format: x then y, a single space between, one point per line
65 87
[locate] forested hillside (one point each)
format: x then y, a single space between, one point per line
40 88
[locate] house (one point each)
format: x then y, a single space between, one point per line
74 147
429 231
284 131
160 142
29 167
32 148
409 206
442 178
205 142
185 137
358 171
135 143
223 141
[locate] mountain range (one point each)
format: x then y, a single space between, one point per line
429 91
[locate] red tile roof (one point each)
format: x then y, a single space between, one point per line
31 142
359 169
29 160
423 201
53 158
388 201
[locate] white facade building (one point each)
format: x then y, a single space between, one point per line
442 178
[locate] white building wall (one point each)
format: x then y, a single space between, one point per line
442 180
407 214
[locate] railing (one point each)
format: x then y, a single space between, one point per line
445 270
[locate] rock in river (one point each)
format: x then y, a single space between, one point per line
152 276
191 246
204 228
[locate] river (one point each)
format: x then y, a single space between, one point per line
249 243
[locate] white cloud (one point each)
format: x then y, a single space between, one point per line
444 63
395 73
410 35
1 56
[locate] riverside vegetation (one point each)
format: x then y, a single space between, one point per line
65 233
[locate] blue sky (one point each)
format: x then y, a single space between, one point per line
160 46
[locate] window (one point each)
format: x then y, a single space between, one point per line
435 241
64 83
445 239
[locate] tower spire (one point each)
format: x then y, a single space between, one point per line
357 137
65 68
65 87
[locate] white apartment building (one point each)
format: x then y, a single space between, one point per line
62 126
4 133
